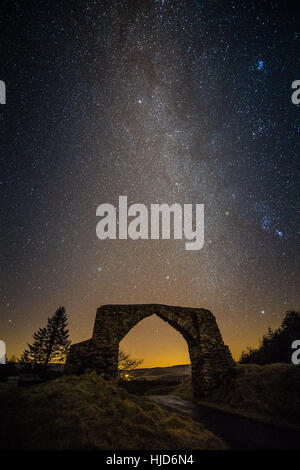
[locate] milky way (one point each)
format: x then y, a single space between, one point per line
164 102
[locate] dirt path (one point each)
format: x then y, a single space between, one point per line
238 432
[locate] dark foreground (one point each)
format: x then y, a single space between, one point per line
90 413
238 432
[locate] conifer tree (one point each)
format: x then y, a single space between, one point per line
37 350
276 344
58 337
51 343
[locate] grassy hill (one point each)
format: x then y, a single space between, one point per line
88 412
268 392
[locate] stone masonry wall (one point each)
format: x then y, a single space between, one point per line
211 360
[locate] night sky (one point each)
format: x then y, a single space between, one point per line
165 102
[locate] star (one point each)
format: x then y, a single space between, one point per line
161 102
260 65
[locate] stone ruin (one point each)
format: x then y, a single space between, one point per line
211 360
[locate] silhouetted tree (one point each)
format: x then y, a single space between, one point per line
58 337
275 345
51 343
37 350
127 365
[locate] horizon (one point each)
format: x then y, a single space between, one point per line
134 341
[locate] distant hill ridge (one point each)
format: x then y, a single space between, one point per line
165 373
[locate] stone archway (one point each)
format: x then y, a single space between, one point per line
211 360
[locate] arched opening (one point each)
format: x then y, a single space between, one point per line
157 343
162 349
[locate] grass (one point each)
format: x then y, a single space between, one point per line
269 393
88 412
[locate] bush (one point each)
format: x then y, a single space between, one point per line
269 392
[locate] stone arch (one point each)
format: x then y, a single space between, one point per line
211 360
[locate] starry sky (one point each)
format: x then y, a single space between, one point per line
165 102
